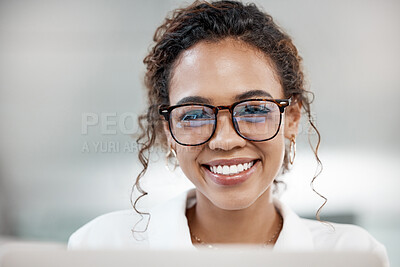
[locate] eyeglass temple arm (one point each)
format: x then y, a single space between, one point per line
283 103
163 111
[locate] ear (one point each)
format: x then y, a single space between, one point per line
292 119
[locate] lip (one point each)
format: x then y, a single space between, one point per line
234 161
230 180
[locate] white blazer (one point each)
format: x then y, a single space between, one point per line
168 229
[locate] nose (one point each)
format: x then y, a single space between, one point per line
225 136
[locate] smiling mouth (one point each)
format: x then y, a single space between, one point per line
230 169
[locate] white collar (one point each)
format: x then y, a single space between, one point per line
168 227
295 235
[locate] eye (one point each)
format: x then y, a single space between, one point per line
252 110
195 115
192 117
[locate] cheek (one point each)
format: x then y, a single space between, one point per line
187 158
273 154
279 144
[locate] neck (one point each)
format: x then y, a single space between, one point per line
255 224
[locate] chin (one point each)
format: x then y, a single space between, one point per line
232 201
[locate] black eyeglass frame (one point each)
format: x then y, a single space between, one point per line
165 111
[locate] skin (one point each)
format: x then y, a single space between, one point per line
221 72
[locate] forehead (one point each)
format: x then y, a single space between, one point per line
221 71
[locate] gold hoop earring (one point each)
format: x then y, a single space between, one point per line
170 152
292 151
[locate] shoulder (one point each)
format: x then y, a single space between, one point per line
303 234
127 229
336 236
111 230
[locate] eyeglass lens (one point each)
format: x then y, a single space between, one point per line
254 120
257 120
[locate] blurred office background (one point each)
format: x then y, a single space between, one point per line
71 89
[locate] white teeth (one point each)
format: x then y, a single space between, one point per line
240 168
225 169
231 169
219 169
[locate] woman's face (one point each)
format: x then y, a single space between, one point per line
220 74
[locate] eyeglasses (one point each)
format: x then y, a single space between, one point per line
253 119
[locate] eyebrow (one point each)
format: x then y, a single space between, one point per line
252 93
243 96
194 99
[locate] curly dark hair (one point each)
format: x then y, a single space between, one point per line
213 22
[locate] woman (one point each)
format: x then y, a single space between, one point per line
225 91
